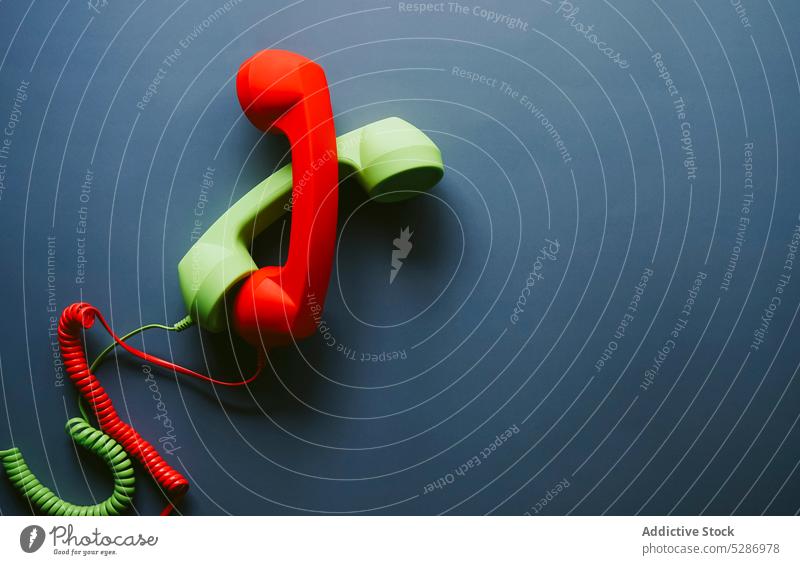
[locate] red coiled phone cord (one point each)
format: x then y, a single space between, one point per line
74 319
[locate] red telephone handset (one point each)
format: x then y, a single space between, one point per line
285 91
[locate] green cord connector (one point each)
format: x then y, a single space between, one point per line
183 324
178 326
95 441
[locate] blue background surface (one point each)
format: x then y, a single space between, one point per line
324 431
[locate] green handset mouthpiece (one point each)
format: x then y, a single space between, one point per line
391 159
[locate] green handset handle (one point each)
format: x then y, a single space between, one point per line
391 159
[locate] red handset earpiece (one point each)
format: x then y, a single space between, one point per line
287 92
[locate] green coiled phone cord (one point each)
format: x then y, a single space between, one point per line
95 441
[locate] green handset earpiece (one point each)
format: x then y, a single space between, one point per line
278 91
391 159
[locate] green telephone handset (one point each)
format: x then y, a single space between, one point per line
391 159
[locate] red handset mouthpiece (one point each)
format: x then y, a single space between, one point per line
284 91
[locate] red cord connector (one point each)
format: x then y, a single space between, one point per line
74 319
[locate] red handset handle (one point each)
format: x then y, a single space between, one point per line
284 91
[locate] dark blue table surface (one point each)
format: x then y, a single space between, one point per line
644 362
